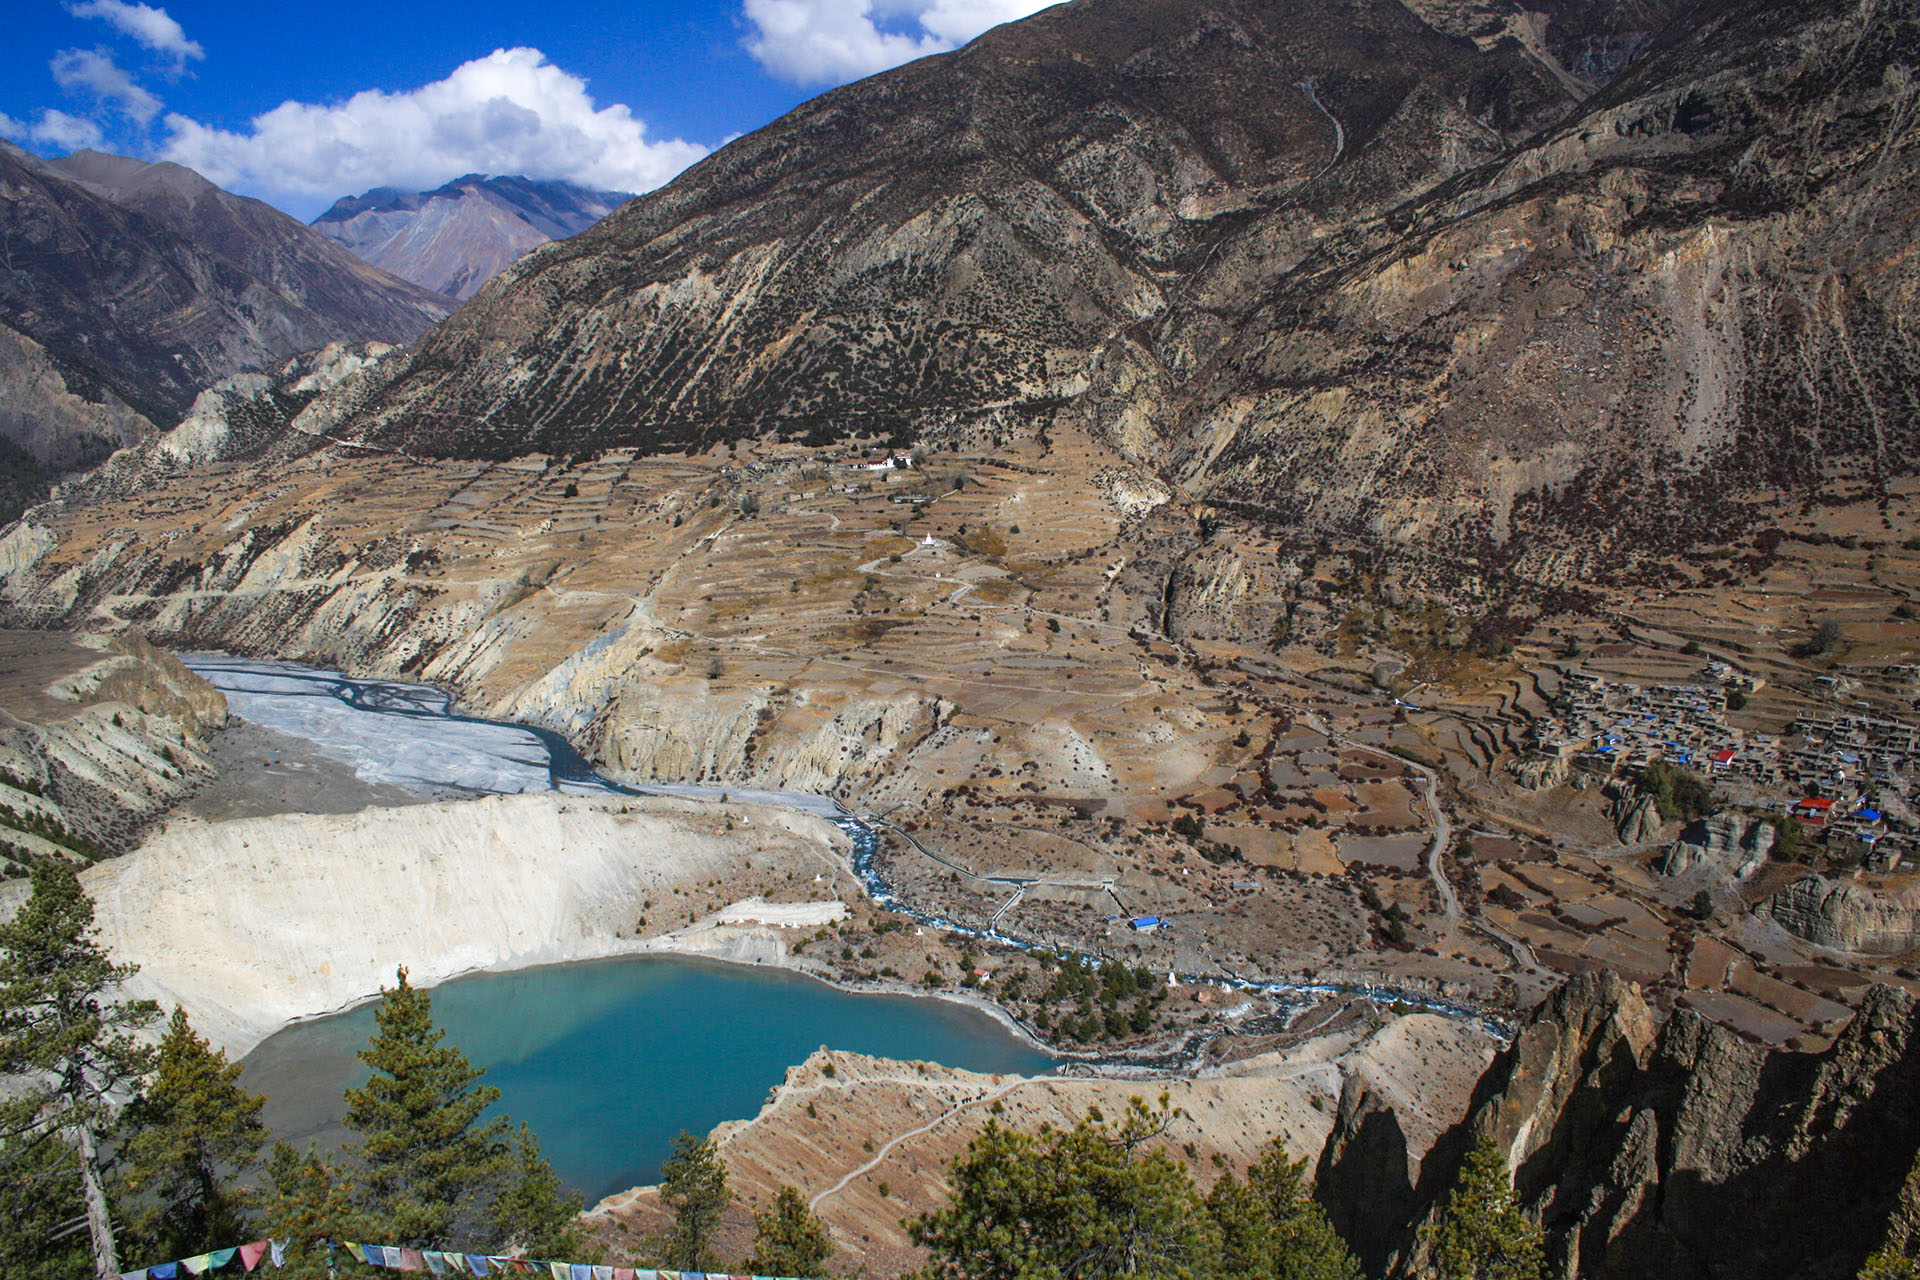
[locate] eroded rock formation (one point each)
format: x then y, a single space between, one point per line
1676 1150
1728 844
1848 916
98 738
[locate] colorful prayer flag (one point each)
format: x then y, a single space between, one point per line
250 1254
197 1265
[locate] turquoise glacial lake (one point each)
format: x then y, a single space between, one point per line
609 1060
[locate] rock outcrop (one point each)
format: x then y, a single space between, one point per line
1728 844
114 734
1364 1177
1542 771
1636 818
1685 1152
279 414
1848 916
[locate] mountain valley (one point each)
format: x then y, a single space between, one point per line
1390 527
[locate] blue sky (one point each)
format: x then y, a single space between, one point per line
300 104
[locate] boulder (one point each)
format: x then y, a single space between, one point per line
1541 771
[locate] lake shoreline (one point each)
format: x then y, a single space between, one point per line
608 1061
788 963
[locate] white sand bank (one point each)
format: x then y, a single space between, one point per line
254 923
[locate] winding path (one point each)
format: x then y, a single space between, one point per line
899 1138
1442 824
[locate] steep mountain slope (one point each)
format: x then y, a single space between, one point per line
964 235
360 302
1695 293
129 287
1433 276
457 237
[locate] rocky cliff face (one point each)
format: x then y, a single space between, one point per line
1680 1150
1848 916
275 415
457 237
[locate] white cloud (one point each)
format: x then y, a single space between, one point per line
94 71
151 27
834 41
509 112
54 129
68 133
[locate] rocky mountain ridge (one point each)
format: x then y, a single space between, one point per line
959 237
457 237
128 288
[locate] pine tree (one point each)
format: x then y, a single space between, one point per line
40 1239
534 1215
788 1240
1089 1203
1305 1247
194 1132
1481 1233
1895 1258
307 1200
1246 1230
427 1159
693 1184
1271 1228
62 1032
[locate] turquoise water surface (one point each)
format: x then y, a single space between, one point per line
608 1060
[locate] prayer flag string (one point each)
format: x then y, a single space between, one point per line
434 1261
